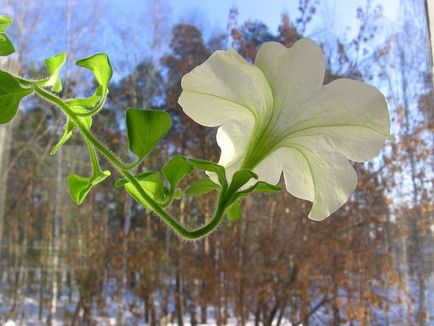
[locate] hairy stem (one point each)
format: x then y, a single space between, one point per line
93 143
93 157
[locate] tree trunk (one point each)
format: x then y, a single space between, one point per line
146 303
179 299
241 301
281 314
5 136
55 245
258 314
203 314
193 315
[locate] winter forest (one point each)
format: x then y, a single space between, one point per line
111 262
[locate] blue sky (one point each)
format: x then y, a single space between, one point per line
124 28
214 13
340 12
333 18
336 15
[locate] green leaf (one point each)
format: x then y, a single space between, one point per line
68 128
201 187
142 176
145 129
6 46
259 186
211 167
240 178
81 106
153 187
87 102
234 211
5 22
175 170
11 93
80 186
262 186
67 133
53 65
100 65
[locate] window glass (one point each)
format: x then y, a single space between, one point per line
110 261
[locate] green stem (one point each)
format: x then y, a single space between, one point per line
84 131
40 83
93 157
175 225
93 143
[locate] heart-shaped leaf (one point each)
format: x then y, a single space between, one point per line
11 93
5 22
175 170
54 64
100 65
79 186
6 46
145 129
201 187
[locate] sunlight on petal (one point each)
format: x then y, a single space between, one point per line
326 179
277 116
292 73
224 88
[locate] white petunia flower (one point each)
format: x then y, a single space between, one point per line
276 115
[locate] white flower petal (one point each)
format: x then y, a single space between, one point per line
297 174
270 169
294 72
233 138
276 116
326 179
224 88
346 117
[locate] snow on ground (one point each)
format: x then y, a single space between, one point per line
115 309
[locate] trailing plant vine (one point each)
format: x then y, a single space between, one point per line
154 190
